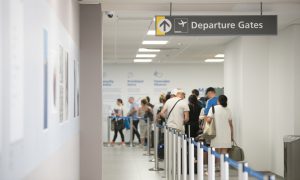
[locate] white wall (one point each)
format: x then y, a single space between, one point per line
261 79
28 150
284 91
247 57
185 76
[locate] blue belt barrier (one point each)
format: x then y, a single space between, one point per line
230 161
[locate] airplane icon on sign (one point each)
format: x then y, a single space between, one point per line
182 23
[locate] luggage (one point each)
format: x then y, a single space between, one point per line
236 153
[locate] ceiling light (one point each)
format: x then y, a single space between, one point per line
148 50
155 42
142 60
220 56
214 60
151 33
146 55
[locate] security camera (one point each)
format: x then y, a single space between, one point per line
109 14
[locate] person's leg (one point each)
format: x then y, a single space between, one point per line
135 130
115 135
122 135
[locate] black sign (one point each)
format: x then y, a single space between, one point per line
216 25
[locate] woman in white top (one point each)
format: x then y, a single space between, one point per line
119 124
223 123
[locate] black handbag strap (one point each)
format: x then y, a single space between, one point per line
172 108
213 109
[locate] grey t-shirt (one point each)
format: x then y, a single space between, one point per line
176 118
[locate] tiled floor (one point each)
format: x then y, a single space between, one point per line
129 163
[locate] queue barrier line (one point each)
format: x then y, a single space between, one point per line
242 167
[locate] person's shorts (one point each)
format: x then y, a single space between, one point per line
143 128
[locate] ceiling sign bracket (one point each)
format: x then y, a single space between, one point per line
261 8
170 8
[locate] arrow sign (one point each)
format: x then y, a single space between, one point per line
165 24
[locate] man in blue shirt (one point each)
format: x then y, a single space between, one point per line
133 112
212 99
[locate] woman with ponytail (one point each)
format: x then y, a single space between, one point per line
221 115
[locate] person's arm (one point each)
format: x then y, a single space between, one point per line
231 129
186 116
163 112
209 116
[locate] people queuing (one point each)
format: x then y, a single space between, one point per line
186 115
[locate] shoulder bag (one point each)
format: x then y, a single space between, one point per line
209 131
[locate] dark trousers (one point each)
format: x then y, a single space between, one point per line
116 134
135 131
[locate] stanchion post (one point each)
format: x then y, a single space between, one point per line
108 131
184 158
211 164
189 128
200 174
224 168
245 173
179 156
240 171
191 159
131 132
170 154
174 143
272 177
166 151
156 163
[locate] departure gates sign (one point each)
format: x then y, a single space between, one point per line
215 25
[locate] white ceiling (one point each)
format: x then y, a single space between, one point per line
124 33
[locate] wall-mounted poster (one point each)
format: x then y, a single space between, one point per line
61 84
45 57
66 86
76 88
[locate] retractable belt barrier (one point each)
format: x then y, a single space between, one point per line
175 156
175 144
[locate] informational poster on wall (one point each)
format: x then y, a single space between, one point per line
16 69
139 81
63 84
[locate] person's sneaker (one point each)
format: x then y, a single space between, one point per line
123 143
112 143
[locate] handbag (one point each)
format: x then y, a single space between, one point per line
209 131
236 153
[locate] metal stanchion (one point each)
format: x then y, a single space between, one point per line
170 154
272 177
166 157
148 138
131 132
179 155
224 168
211 165
174 143
191 159
189 128
240 171
184 158
200 163
245 173
156 163
108 131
